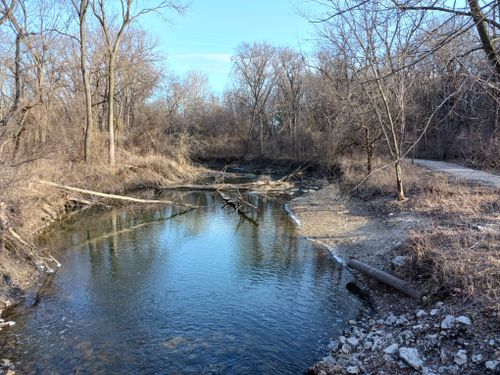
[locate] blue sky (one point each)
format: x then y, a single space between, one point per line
208 33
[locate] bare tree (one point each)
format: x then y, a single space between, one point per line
81 9
113 34
253 65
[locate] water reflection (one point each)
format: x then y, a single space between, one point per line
159 290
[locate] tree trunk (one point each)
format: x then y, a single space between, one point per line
111 98
399 181
89 126
484 35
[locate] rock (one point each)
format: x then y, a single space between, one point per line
353 342
460 357
353 370
377 344
391 349
476 358
346 349
390 320
440 305
448 322
10 372
411 357
399 261
421 313
401 320
491 365
464 320
434 312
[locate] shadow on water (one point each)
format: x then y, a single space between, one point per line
163 290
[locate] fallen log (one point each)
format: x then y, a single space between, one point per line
257 185
113 196
386 278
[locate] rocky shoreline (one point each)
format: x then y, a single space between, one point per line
401 336
423 341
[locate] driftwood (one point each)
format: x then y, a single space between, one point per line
238 204
386 278
113 196
257 185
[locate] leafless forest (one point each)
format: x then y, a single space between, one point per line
81 81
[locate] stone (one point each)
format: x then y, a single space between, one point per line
6 362
411 357
434 312
353 342
464 320
476 358
346 349
399 261
448 322
377 344
391 349
353 370
421 313
491 365
440 305
401 321
10 372
460 357
391 319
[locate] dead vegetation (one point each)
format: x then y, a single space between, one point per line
459 252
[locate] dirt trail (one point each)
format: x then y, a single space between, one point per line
459 171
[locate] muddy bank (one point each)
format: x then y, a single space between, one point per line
403 335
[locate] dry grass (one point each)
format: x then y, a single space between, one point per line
459 253
382 182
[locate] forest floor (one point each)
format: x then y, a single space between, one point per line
445 239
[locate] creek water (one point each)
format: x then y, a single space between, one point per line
153 290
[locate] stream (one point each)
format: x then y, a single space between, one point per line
156 290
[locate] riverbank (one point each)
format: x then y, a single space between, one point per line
444 239
27 207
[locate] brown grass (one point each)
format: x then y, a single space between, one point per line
380 183
457 252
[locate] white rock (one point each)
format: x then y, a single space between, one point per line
391 349
353 370
491 365
476 358
346 349
464 320
434 312
411 357
439 305
420 313
460 357
353 342
399 261
448 322
391 319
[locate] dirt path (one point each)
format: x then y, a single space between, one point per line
459 171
